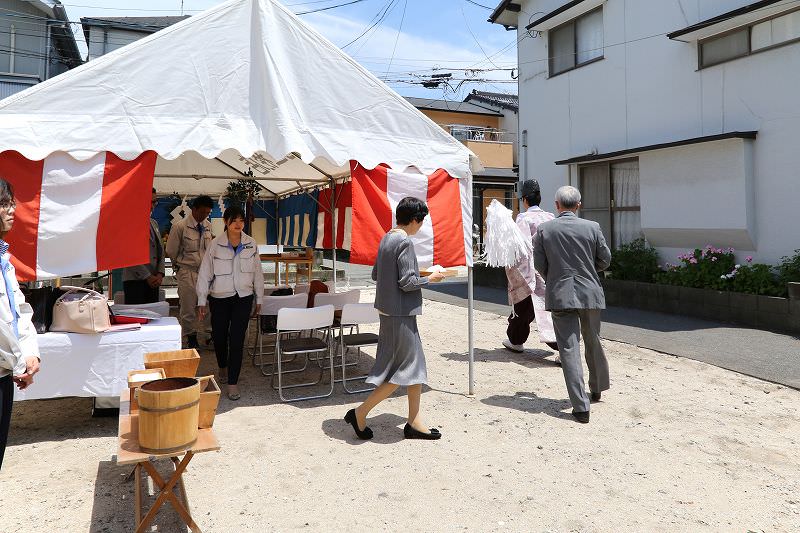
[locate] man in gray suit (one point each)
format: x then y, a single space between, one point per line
569 252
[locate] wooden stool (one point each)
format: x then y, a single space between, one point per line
129 453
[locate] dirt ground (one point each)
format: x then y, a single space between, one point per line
674 445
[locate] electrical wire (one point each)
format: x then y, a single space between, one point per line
399 30
328 7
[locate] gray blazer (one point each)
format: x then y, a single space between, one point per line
569 252
397 275
156 263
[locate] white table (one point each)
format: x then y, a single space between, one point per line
97 365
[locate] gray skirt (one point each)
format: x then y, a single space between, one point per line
399 359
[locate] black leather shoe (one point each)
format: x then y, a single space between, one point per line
364 434
411 433
581 416
596 396
552 346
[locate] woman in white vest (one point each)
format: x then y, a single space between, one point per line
229 280
19 349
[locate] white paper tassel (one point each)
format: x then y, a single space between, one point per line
505 245
176 213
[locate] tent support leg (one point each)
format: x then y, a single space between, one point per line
471 334
333 230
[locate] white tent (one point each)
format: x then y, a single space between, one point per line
243 89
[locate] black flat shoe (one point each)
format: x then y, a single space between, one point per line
552 346
596 396
411 433
364 434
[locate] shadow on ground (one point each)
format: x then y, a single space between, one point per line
387 427
528 359
531 403
113 508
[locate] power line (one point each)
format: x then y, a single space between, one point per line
379 16
328 7
480 5
399 30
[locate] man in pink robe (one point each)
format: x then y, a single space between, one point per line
526 287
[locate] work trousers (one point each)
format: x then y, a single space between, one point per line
187 296
137 291
519 323
6 403
229 320
569 325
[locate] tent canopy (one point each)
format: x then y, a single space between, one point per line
243 87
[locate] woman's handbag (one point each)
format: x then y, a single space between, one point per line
81 310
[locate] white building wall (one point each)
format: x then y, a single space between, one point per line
103 40
648 90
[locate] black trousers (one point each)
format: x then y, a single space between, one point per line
229 319
519 326
137 291
6 402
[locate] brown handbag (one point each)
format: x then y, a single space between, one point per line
80 310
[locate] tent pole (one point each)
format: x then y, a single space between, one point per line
333 229
471 335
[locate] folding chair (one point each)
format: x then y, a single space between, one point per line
271 305
291 321
338 301
352 316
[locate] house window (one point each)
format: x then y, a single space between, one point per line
742 42
610 197
576 43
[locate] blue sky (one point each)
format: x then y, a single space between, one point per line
436 36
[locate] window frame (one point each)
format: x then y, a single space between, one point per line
573 22
611 207
750 51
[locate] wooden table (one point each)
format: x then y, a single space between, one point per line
129 453
289 259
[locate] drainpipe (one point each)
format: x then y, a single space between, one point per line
523 167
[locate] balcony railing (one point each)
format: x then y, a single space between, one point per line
476 133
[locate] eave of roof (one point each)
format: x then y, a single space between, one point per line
685 142
486 99
722 18
505 5
447 106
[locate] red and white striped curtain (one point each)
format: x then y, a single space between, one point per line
75 217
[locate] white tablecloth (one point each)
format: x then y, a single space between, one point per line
97 365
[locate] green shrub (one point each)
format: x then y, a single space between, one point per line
705 268
789 268
716 268
635 261
756 279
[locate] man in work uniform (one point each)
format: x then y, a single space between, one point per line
142 283
187 243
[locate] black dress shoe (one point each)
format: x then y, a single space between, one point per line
596 396
364 434
411 433
581 416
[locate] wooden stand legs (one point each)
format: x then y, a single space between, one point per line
165 493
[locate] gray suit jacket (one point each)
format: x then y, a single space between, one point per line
156 263
569 252
397 274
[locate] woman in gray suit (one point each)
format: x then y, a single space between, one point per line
398 298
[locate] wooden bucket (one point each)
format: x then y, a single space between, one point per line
168 414
177 363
